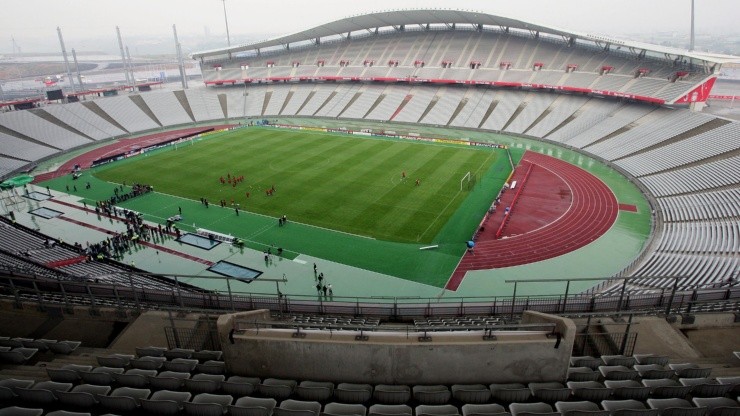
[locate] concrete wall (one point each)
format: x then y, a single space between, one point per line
397 357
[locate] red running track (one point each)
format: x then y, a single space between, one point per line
592 212
121 146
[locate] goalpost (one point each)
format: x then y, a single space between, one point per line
465 179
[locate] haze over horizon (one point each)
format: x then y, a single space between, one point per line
146 26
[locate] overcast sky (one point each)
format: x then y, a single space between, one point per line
33 22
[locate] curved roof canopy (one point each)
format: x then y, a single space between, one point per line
399 19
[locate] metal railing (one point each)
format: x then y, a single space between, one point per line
44 292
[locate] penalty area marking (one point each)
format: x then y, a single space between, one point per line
429 247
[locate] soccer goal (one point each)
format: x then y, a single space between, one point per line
465 181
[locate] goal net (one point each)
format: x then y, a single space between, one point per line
466 182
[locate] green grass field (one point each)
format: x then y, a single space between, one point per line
334 181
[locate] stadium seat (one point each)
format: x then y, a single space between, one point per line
617 372
7 387
174 353
278 389
718 406
297 408
619 360
431 395
471 393
134 377
211 367
390 410
734 381
42 393
675 407
705 387
353 393
653 371
549 392
491 409
115 360
690 370
100 375
582 374
181 365
206 404
645 359
344 409
64 347
437 410
204 356
532 409
666 388
584 408
586 361
18 355
20 411
239 386
150 351
252 406
204 383
628 389
316 391
68 373
165 402
124 399
83 396
510 393
627 408
68 413
148 362
167 380
589 390
392 393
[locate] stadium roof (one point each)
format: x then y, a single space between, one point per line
398 19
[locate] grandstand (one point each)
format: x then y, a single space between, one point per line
632 108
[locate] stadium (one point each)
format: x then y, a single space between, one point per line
334 213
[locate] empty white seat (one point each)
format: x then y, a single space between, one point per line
353 393
510 392
490 409
628 407
527 409
392 393
252 406
43 392
239 386
124 399
550 392
83 396
204 383
278 389
675 407
168 380
584 408
165 402
471 393
431 395
437 410
318 391
589 390
206 404
345 409
150 351
390 410
298 408
20 411
100 375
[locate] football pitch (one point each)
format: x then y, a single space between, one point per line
385 189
